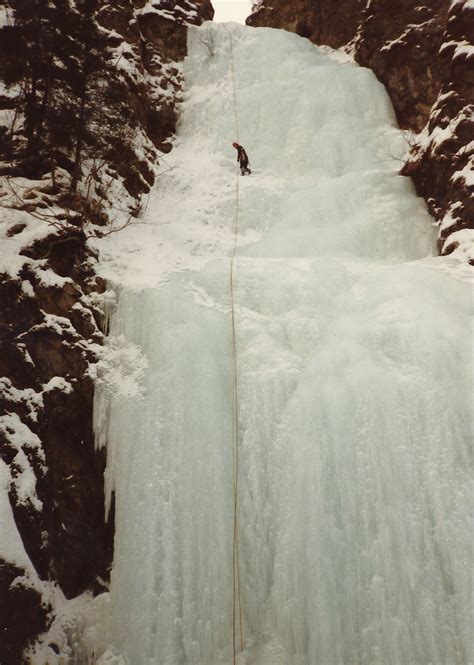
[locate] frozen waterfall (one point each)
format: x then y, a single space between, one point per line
353 378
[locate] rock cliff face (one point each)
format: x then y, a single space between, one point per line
50 322
423 53
441 161
321 22
55 542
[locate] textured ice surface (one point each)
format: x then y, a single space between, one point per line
353 376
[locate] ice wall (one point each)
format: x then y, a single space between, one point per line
354 415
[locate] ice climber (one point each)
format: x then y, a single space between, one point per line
242 157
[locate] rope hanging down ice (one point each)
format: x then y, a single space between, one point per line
236 600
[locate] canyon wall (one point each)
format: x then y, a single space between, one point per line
55 542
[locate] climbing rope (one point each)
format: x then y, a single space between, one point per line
236 600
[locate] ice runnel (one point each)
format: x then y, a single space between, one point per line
353 372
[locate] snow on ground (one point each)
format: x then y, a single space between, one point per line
353 379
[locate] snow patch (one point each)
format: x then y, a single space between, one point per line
466 174
27 445
12 549
58 383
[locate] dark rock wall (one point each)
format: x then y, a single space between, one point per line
48 329
420 52
23 614
51 330
400 42
334 24
442 159
156 33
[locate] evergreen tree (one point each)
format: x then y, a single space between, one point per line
73 98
